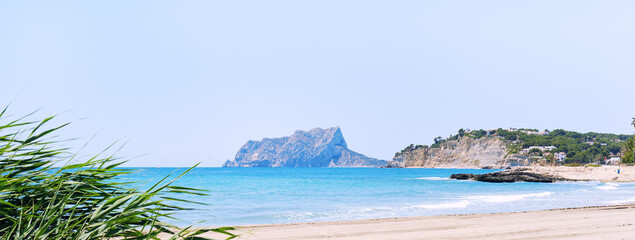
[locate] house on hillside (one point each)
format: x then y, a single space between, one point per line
541 133
613 161
560 156
548 148
541 148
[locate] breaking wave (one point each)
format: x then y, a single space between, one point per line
432 178
608 186
507 198
459 204
622 201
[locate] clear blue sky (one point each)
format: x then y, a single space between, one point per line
191 81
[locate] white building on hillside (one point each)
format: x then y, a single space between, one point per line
613 161
541 148
542 133
560 156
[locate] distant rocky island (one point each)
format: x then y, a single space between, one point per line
315 148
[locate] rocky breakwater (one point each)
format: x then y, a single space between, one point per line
513 175
315 148
464 152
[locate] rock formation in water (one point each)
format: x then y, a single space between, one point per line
315 148
515 175
464 152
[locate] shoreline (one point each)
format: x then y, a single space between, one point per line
604 173
609 222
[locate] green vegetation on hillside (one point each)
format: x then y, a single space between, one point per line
580 148
409 148
629 146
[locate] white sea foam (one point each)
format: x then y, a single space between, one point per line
459 204
621 201
294 215
608 186
577 183
507 198
432 178
369 212
372 209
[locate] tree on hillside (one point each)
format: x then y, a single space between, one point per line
479 133
605 153
628 151
558 132
437 142
629 147
614 148
535 151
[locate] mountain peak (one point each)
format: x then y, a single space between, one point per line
317 147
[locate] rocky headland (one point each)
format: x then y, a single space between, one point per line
315 148
464 152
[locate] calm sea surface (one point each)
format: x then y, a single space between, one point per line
241 196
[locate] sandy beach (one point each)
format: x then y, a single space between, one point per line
602 174
605 222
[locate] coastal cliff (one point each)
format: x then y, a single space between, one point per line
464 152
315 148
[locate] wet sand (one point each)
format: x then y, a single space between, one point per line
604 222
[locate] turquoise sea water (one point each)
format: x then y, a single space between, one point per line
244 196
